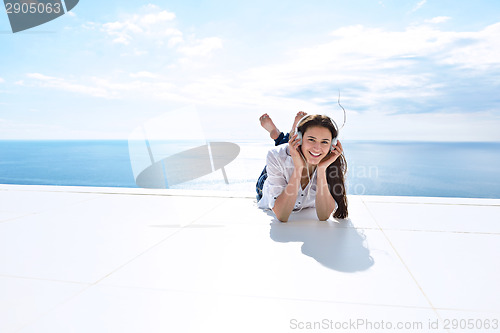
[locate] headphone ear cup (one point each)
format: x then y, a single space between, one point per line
299 136
334 143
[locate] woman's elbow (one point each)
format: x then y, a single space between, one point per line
279 216
282 219
324 216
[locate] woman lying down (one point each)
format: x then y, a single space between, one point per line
306 170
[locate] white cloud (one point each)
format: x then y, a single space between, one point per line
203 47
111 88
11 129
156 28
40 77
143 74
419 5
438 19
150 23
380 125
383 64
403 79
478 51
22 130
162 16
172 42
370 66
45 81
380 65
2 80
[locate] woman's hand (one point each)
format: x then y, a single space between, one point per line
298 160
332 156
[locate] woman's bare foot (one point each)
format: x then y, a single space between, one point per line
268 124
300 115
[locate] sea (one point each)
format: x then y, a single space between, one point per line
387 168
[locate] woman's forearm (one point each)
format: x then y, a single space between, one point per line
325 204
285 202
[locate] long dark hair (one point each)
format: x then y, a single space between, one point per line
335 173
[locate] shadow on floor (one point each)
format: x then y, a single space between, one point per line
338 246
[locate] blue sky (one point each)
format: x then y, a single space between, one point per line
407 70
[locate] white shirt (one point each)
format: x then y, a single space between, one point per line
279 167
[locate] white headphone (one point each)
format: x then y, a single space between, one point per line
299 133
334 140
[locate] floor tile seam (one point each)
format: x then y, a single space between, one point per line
442 231
231 194
403 230
98 282
53 308
19 217
180 194
75 203
402 261
495 312
189 195
294 299
55 209
294 225
38 190
2 211
434 203
291 225
150 248
300 300
215 293
20 277
88 286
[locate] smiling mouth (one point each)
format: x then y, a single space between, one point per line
314 155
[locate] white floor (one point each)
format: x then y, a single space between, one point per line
76 259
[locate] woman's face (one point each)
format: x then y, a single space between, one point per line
316 143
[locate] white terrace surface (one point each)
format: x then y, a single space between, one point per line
79 259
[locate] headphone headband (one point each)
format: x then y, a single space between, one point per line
331 119
299 133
